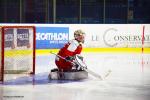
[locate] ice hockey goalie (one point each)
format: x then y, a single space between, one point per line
76 73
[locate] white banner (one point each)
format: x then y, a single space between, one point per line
108 35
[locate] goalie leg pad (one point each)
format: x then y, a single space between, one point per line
70 75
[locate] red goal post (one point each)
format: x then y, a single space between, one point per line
17 50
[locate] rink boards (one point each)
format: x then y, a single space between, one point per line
99 50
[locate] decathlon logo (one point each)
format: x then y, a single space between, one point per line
51 37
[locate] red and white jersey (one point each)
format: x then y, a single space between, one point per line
71 48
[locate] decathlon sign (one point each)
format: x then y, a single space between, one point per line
51 37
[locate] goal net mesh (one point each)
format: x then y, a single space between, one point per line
17 50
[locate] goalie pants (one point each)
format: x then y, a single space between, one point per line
63 65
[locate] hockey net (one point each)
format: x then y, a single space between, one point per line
17 49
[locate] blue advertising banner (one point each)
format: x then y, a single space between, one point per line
9 37
51 37
22 37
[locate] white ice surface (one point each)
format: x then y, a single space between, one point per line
129 80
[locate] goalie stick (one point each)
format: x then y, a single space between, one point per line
85 68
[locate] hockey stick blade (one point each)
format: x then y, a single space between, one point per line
107 74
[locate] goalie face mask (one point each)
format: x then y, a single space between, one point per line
79 35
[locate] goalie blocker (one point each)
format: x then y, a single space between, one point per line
74 74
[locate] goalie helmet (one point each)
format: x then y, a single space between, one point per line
79 35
